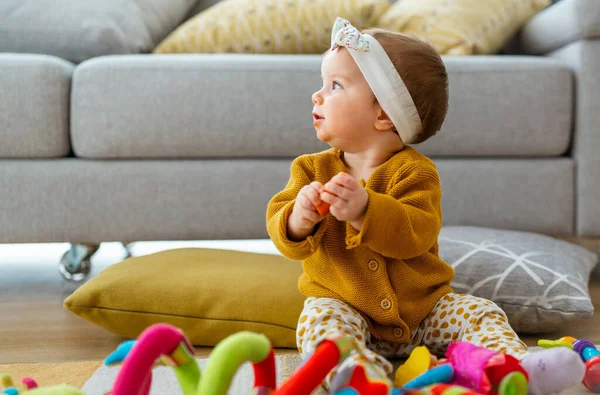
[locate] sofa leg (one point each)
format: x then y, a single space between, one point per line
75 265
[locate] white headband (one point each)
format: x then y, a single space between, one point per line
382 77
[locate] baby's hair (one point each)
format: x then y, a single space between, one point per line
424 75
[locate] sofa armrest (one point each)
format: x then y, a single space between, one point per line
583 58
563 23
570 32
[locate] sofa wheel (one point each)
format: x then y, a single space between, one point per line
75 264
127 247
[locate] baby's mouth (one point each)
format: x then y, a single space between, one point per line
316 117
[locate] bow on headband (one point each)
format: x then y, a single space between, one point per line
344 34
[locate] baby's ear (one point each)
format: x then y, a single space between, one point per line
383 121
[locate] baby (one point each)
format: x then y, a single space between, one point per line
371 264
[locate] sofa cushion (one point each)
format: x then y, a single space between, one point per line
541 283
274 27
80 200
34 106
203 105
506 106
461 27
78 30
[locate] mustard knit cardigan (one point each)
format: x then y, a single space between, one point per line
390 270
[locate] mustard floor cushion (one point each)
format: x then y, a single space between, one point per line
268 26
209 294
461 27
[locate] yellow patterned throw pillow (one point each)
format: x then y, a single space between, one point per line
269 26
461 27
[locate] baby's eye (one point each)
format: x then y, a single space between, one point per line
336 85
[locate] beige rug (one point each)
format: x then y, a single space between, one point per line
47 374
164 381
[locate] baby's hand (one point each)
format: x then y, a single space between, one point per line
347 198
304 215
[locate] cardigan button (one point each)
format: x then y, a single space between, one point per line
386 304
398 332
373 265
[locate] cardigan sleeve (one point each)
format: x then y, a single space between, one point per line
280 207
405 221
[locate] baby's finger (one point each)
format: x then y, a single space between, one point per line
311 216
305 202
337 190
330 198
313 196
345 180
317 186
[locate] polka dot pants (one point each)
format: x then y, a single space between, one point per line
454 317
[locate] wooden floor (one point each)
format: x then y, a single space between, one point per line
34 326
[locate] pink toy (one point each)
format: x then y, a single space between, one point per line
135 375
480 369
173 348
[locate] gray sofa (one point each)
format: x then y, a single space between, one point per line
188 147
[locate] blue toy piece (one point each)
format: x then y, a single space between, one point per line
440 374
586 349
589 353
347 391
10 391
120 353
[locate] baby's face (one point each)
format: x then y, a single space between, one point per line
344 108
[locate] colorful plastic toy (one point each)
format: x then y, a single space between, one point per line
443 389
467 370
588 353
417 364
467 366
9 385
438 375
485 371
323 208
436 389
30 387
165 344
170 344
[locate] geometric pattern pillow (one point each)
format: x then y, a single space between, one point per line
268 27
461 27
539 281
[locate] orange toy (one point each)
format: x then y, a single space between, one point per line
323 208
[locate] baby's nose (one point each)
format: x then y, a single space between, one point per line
316 98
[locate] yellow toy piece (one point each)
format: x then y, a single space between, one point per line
555 343
417 363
